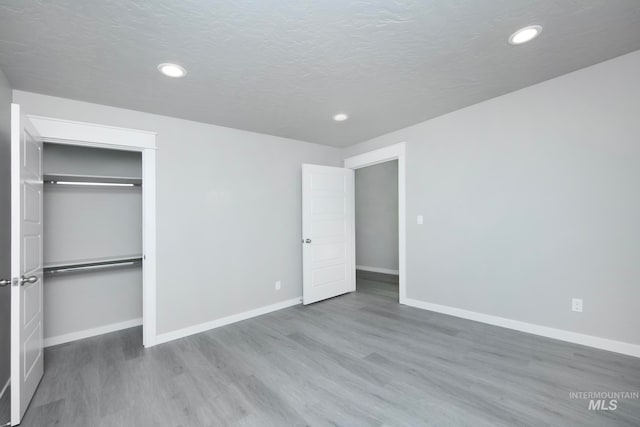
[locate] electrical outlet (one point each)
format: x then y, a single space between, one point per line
278 285
420 220
576 304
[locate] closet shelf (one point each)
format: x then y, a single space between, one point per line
92 178
91 264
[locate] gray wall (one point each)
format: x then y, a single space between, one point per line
91 161
80 301
229 210
84 223
5 227
377 216
531 199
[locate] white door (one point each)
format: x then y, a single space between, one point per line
26 263
328 232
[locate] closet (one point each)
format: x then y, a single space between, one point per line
92 210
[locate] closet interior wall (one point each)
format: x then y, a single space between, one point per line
84 223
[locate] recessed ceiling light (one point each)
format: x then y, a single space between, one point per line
525 34
172 70
340 117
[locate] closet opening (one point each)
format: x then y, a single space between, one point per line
92 242
392 264
376 230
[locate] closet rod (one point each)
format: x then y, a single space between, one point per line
92 183
92 266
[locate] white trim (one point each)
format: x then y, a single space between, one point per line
392 152
202 327
149 282
15 264
83 134
381 155
377 269
531 328
6 386
87 333
70 132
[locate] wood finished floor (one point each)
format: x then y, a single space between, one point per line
356 360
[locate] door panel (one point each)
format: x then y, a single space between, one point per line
328 275
31 211
328 232
32 248
323 252
327 205
31 303
32 160
33 350
27 364
328 228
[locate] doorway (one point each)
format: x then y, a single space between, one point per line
391 153
29 135
90 135
92 242
376 227
328 225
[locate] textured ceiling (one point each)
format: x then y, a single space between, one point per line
284 67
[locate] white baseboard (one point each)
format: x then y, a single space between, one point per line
6 386
74 336
559 334
377 270
202 327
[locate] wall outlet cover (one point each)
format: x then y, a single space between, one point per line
576 305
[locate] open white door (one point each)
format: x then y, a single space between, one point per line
328 232
26 263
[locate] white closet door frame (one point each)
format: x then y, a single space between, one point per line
100 136
391 152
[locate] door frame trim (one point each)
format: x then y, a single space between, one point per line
84 134
391 152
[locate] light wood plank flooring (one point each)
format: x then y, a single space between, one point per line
356 360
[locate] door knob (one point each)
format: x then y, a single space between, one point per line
5 282
30 279
307 240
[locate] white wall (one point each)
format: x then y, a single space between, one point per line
5 226
531 199
376 204
229 214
